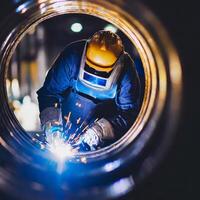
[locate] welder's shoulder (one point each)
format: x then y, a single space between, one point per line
74 48
129 65
128 60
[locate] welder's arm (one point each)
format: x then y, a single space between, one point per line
127 102
96 135
49 96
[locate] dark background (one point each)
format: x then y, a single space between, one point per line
177 177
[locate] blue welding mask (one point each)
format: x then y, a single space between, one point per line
101 64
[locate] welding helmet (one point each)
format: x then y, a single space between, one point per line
102 60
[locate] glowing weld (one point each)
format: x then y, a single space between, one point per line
60 149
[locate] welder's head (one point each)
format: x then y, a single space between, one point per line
101 61
103 50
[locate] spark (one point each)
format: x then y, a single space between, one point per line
78 120
37 134
70 126
85 128
81 125
57 122
83 159
96 120
67 128
76 132
76 138
71 137
56 105
67 118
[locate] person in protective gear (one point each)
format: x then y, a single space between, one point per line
91 93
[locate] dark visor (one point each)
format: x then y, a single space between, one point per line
94 80
89 69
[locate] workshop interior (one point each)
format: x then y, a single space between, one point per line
93 100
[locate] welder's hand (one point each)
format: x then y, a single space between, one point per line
90 140
53 131
95 136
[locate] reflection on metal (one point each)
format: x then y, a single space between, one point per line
112 165
122 186
163 80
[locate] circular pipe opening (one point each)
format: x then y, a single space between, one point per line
131 31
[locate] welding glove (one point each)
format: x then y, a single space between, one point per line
90 140
53 129
93 138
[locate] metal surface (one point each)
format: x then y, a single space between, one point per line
134 156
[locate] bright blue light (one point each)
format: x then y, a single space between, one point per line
94 80
96 93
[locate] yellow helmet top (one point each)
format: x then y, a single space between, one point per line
103 50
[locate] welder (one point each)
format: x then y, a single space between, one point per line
91 93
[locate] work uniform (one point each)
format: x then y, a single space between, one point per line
64 97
